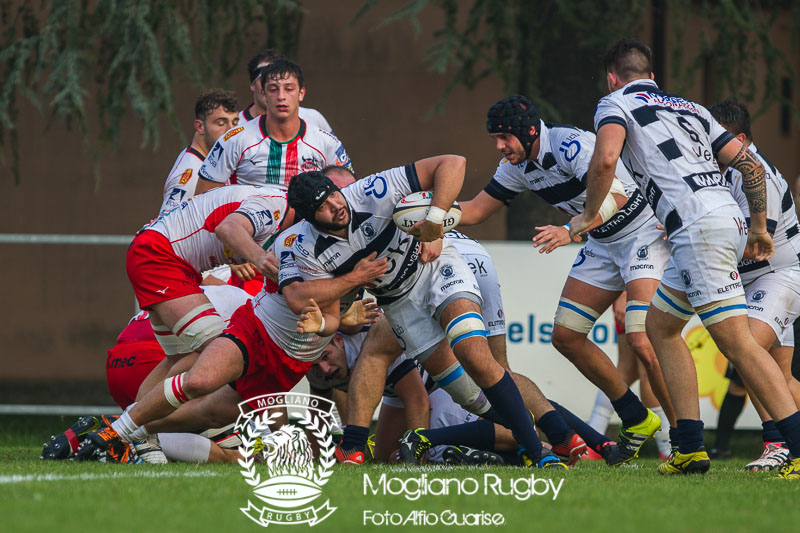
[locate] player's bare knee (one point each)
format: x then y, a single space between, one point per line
196 384
643 349
567 341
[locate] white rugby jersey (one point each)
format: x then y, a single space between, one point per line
182 179
305 252
670 150
190 226
781 220
247 155
281 325
558 176
312 117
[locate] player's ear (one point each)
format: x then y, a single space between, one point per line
302 93
652 76
199 126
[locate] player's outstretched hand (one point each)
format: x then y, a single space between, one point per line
759 246
580 224
310 318
431 251
361 313
245 271
268 266
551 237
368 269
426 231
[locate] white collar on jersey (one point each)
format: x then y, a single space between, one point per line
544 141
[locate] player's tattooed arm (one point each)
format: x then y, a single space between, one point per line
753 184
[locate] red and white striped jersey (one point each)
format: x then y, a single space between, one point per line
182 179
190 226
247 155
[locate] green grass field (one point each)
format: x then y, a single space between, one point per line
66 496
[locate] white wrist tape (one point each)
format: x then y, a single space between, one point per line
609 206
436 215
322 325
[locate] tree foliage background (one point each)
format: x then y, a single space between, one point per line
550 51
77 58
123 56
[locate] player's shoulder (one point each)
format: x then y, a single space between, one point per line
315 118
507 169
567 141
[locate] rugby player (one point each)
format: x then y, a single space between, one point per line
255 68
424 303
214 114
624 252
672 147
772 287
265 349
272 149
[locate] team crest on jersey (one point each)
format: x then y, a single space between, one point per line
759 295
446 271
287 477
309 164
232 133
643 253
686 277
368 230
185 177
276 214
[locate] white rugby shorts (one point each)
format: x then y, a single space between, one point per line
612 265
704 255
774 298
492 309
412 315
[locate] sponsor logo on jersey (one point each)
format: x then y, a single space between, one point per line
341 157
734 275
232 133
287 258
289 241
450 284
330 261
759 295
729 288
215 154
570 149
375 186
662 99
185 177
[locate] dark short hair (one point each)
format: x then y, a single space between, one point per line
629 59
210 99
269 55
734 116
280 69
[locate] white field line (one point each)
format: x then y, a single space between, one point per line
93 477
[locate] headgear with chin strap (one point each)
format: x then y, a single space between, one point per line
308 191
515 114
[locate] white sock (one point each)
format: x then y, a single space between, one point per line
125 427
185 447
662 435
601 413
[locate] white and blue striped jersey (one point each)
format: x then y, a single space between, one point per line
670 150
558 176
781 220
304 252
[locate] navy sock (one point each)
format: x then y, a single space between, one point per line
690 435
790 429
770 432
510 458
479 435
493 416
554 427
355 437
673 437
730 410
592 438
630 409
507 401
